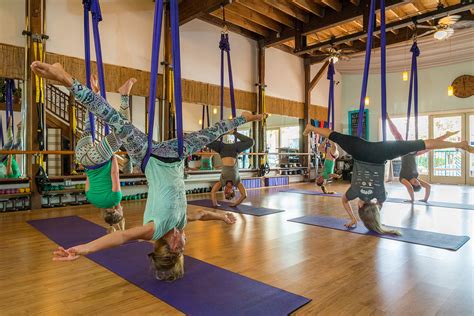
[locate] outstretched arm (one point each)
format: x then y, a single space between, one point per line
410 190
350 212
115 175
216 187
243 195
203 215
334 150
427 187
394 130
114 239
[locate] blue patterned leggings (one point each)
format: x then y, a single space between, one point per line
136 142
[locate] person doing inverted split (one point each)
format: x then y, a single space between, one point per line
9 167
409 170
329 163
165 212
101 166
230 177
369 167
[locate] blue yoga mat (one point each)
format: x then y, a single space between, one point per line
242 208
309 192
391 200
420 237
204 290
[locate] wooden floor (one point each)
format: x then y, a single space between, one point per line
343 273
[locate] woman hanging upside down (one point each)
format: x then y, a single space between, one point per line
409 170
101 166
165 212
329 163
369 168
230 177
9 164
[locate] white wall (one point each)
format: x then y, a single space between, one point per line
126 31
12 22
200 56
432 84
284 75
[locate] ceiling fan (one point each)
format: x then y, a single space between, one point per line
337 54
445 27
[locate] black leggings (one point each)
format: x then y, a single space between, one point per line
375 152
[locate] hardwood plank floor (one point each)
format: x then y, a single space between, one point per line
344 274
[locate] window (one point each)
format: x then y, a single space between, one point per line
290 137
423 133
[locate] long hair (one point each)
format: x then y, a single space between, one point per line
168 265
369 213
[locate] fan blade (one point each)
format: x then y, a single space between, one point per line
426 33
421 26
348 51
450 32
449 20
463 25
344 57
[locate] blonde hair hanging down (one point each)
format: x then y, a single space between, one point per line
168 265
370 216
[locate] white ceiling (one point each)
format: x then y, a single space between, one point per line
458 48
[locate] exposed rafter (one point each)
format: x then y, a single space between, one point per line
242 22
333 4
232 27
286 8
192 9
455 9
332 18
310 6
269 11
254 16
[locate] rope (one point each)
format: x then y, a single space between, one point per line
413 89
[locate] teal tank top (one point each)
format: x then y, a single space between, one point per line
166 203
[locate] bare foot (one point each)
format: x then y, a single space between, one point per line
249 117
308 129
95 84
127 86
229 218
52 72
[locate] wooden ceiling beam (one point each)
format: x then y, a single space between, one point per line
232 27
332 18
455 9
318 76
289 9
254 16
333 4
192 9
310 6
269 11
242 22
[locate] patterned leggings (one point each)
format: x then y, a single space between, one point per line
10 145
90 154
136 142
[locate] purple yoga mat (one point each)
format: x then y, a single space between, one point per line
204 290
242 208
390 199
420 237
309 192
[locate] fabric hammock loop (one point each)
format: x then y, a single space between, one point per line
413 90
330 77
224 46
93 7
176 64
383 72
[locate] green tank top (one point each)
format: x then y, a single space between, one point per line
15 172
100 187
166 202
328 168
